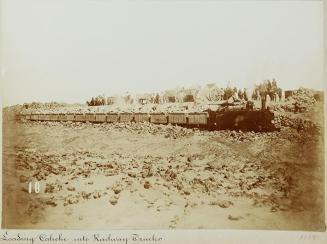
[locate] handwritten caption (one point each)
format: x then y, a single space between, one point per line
15 237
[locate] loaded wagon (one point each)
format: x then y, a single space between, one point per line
158 118
20 116
90 117
62 117
100 118
177 118
126 117
112 118
79 118
141 117
34 117
54 117
46 117
42 117
199 119
70 117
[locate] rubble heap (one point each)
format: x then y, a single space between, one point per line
304 98
300 124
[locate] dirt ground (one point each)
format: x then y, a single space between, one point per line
146 176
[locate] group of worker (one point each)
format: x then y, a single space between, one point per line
267 89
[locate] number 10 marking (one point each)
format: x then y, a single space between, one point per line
36 187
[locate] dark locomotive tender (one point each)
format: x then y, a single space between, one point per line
243 119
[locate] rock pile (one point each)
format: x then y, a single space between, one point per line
302 98
227 173
300 124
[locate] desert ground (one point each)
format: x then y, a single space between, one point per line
147 176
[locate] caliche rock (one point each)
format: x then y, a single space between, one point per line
147 185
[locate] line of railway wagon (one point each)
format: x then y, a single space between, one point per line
194 119
245 120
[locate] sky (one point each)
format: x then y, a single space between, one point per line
71 50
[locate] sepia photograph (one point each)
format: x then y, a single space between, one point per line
161 115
